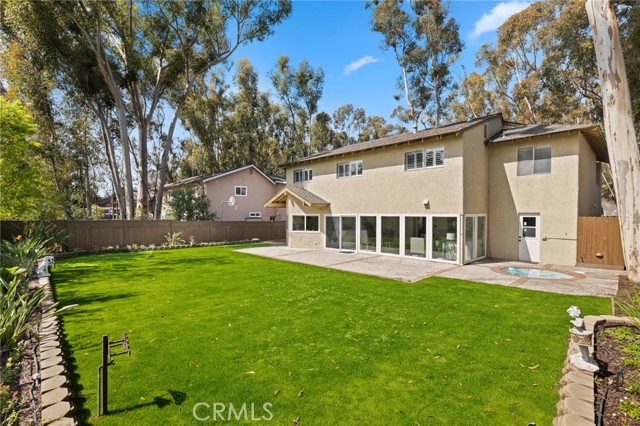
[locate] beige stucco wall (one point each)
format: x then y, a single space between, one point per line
259 191
554 196
589 196
385 186
476 168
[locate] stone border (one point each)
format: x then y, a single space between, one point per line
576 406
55 388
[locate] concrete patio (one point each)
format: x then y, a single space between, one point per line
592 282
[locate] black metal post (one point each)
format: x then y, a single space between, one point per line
105 365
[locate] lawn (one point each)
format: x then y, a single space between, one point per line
210 325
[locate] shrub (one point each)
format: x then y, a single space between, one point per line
52 236
173 239
17 307
23 253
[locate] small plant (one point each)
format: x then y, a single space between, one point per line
173 239
12 365
630 408
631 307
634 388
9 406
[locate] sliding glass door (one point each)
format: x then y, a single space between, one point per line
444 237
332 232
368 233
348 233
475 235
415 236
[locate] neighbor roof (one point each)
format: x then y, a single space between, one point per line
212 176
397 139
592 133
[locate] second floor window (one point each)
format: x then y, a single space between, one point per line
424 159
241 191
302 175
352 168
534 160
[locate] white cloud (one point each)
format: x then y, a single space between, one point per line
356 65
500 13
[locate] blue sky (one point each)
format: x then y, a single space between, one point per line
337 35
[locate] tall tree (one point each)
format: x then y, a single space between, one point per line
624 154
151 53
300 91
474 99
23 185
425 42
349 123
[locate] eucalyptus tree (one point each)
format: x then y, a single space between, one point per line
425 43
624 153
299 90
152 52
349 122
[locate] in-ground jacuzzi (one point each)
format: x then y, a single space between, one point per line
546 274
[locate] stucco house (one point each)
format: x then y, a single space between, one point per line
249 186
456 193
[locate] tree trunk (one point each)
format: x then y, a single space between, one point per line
111 156
166 150
142 203
618 125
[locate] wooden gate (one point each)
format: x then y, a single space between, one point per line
599 242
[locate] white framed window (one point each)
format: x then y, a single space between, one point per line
350 169
425 159
241 191
534 160
302 175
305 223
255 215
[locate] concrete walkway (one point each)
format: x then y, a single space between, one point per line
591 282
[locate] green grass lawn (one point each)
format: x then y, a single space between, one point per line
215 326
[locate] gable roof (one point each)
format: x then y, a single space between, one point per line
307 198
212 176
592 133
398 139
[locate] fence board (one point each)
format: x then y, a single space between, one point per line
599 242
86 235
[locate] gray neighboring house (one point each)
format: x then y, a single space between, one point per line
249 185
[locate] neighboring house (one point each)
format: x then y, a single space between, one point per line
456 193
249 186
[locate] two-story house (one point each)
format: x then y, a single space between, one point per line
456 193
248 185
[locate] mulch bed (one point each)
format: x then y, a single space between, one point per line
608 353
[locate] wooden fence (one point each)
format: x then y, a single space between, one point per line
599 242
85 235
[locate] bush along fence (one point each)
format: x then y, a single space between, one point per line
26 302
92 235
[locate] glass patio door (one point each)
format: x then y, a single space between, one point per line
332 232
348 233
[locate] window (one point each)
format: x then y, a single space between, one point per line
534 160
255 215
302 223
241 191
302 175
350 169
424 159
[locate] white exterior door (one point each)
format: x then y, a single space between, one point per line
529 238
